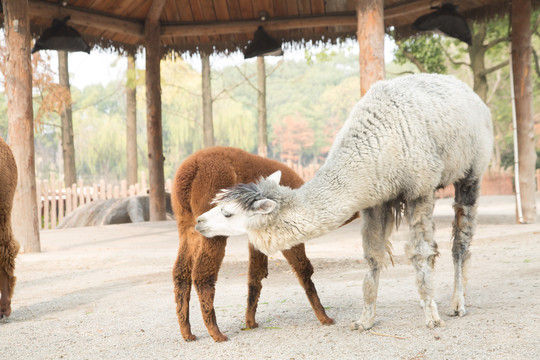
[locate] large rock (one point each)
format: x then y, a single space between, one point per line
132 209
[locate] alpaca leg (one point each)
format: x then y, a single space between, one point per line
182 289
5 298
9 249
463 229
422 250
296 256
258 270
376 229
205 273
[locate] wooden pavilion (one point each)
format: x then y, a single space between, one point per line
163 26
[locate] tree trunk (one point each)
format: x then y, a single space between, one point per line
68 146
20 122
208 126
262 132
153 118
477 52
131 121
370 36
521 66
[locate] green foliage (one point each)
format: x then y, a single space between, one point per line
426 49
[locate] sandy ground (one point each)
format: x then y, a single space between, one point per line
106 293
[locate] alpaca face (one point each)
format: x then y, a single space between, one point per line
237 210
225 219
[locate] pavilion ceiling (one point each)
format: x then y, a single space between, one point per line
226 25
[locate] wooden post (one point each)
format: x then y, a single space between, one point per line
262 132
131 121
370 35
521 67
208 126
18 75
153 112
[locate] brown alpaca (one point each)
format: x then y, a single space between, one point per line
196 183
9 247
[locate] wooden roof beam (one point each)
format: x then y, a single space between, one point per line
413 7
239 27
155 10
81 17
135 28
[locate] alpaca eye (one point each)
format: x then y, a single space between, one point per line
225 213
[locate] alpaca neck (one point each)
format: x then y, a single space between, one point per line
318 207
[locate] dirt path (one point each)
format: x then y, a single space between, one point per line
106 293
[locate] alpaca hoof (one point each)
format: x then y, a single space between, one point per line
459 312
431 324
357 325
328 321
251 325
190 337
220 338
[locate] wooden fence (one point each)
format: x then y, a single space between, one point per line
55 201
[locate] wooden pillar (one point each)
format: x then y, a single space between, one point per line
521 67
131 121
208 126
20 122
370 35
153 113
262 131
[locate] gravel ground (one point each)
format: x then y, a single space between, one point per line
106 293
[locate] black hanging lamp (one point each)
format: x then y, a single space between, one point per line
447 20
60 36
262 45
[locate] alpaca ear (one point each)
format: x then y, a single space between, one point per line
264 206
275 176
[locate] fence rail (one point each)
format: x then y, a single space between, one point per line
55 201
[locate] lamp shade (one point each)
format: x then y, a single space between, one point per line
61 37
263 45
447 20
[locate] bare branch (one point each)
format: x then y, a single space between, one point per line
494 88
415 61
246 78
459 63
494 68
535 62
497 42
400 73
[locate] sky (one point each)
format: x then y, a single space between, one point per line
103 67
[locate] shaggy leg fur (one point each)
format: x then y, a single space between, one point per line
463 229
208 260
422 251
258 270
376 229
182 286
296 256
9 249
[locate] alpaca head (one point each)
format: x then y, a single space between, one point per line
241 208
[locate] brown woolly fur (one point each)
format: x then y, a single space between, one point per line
196 183
8 246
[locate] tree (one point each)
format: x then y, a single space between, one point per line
131 121
68 147
262 131
208 127
292 136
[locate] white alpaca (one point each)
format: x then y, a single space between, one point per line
405 139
